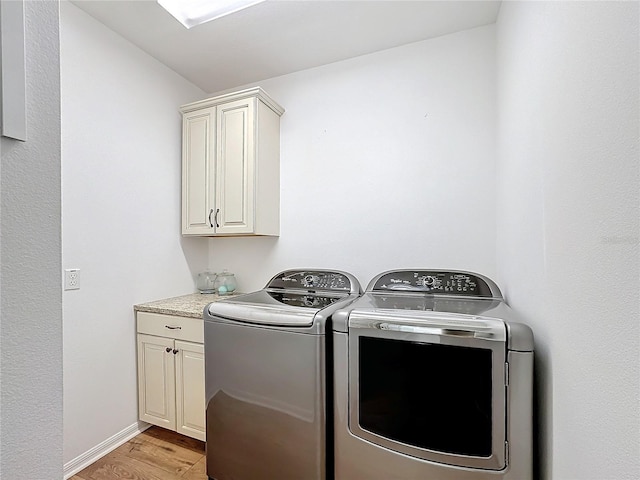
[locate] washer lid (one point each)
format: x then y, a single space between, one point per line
293 298
275 307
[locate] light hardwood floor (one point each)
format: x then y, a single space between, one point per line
155 454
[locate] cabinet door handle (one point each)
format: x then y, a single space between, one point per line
210 222
168 349
175 351
171 327
216 217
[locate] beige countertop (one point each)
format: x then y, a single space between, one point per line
191 305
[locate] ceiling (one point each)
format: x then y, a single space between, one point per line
279 37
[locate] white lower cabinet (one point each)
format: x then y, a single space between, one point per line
171 373
190 398
156 381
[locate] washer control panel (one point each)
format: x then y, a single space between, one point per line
435 281
311 280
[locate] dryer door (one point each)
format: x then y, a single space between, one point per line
430 385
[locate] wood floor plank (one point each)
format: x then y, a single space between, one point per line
120 467
198 471
175 439
156 454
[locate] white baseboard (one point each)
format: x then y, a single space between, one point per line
87 458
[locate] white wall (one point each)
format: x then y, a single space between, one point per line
31 299
387 161
568 223
394 156
121 217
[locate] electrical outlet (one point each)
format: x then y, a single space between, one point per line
72 279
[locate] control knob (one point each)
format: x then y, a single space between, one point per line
427 281
310 301
310 280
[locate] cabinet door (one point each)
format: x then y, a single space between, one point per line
235 167
190 396
198 172
156 381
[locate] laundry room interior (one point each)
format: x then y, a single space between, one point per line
509 149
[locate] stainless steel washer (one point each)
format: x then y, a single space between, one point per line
433 380
266 377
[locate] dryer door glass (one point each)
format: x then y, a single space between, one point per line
431 396
431 387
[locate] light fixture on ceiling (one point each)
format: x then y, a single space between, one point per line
195 12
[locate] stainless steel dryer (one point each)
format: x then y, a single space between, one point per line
433 380
265 376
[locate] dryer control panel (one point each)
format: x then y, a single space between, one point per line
436 282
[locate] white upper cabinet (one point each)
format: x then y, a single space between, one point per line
231 165
198 171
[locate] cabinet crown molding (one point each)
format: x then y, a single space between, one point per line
257 92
